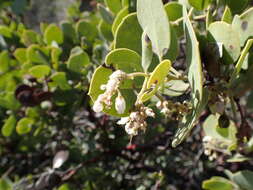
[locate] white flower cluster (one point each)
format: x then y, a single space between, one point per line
163 106
111 88
137 120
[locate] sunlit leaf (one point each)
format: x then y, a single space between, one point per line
217 183
24 126
40 71
156 78
53 33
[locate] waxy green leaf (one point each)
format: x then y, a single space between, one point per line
124 59
128 34
118 19
53 33
24 126
40 71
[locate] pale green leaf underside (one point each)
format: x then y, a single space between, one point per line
195 79
154 21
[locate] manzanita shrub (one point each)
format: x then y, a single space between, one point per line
135 94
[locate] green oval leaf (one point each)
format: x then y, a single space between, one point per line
124 12
60 79
124 59
211 128
69 32
78 60
217 183
87 30
24 126
222 32
53 33
9 126
243 24
128 61
20 55
105 30
5 31
40 71
154 21
29 37
128 34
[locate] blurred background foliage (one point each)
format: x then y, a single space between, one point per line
51 139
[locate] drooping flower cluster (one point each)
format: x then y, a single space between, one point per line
137 120
111 88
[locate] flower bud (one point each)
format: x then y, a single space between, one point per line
150 112
103 87
120 104
98 106
123 121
